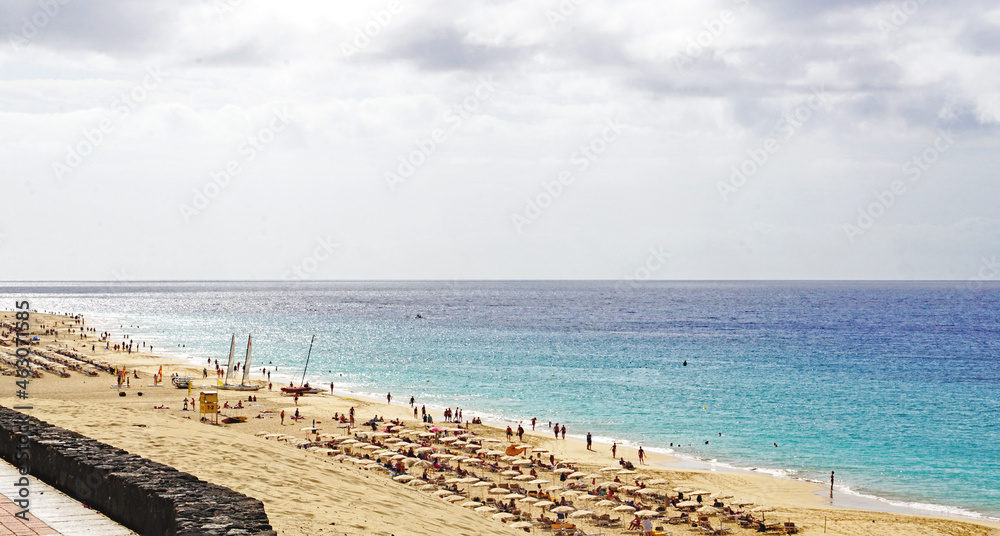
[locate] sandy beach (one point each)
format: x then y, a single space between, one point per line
309 492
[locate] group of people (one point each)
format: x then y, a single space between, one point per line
556 429
520 433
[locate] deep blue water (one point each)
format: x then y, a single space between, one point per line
896 386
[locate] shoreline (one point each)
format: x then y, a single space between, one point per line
789 493
668 458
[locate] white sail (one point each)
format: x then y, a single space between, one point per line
229 367
246 365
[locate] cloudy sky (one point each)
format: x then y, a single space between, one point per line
496 139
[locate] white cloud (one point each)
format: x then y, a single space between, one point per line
416 64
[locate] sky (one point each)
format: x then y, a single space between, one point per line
493 139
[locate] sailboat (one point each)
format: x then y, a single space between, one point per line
246 369
303 388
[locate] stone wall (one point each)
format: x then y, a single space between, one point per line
150 498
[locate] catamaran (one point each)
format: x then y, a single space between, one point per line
246 369
303 388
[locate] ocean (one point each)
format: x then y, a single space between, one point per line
893 385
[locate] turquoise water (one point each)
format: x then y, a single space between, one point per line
892 385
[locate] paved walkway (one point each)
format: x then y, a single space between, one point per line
51 512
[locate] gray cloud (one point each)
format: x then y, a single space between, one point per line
398 102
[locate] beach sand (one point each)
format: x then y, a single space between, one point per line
308 493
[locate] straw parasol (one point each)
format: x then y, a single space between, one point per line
647 513
499 491
472 504
688 504
762 509
520 525
503 515
484 509
581 513
563 509
624 508
512 496
543 504
708 510
454 498
605 503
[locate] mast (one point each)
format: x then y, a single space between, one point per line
307 361
229 367
246 365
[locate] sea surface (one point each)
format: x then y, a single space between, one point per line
893 385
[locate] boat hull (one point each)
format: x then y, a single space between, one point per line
240 387
181 382
300 390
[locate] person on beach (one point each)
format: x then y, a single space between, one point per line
388 398
556 430
533 424
282 417
520 433
331 388
642 456
590 441
510 433
614 449
564 431
414 413
412 400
